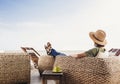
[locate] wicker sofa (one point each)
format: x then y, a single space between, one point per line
45 62
14 68
89 70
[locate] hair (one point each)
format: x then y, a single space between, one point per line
98 45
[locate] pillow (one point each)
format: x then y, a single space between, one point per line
118 53
102 55
114 52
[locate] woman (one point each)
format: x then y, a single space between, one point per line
98 38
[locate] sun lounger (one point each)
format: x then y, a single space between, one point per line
34 55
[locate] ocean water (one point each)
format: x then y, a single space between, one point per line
43 52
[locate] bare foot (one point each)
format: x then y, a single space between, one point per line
47 48
49 44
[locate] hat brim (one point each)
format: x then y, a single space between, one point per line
91 34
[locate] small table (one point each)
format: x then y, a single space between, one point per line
49 75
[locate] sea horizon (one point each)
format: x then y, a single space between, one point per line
43 52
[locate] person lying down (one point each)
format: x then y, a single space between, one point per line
51 51
99 40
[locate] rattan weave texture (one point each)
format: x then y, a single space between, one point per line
89 70
14 68
45 62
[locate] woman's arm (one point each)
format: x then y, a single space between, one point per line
79 55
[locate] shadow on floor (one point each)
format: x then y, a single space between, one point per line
35 77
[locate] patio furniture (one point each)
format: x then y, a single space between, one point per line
41 62
89 70
45 62
14 68
34 55
49 75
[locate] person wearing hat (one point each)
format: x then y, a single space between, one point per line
99 40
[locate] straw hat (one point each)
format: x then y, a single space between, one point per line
98 37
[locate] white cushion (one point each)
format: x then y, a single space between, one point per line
102 55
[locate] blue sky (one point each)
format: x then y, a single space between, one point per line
65 23
36 10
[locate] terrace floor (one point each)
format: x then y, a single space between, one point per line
35 78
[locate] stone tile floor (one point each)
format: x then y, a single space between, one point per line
35 78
